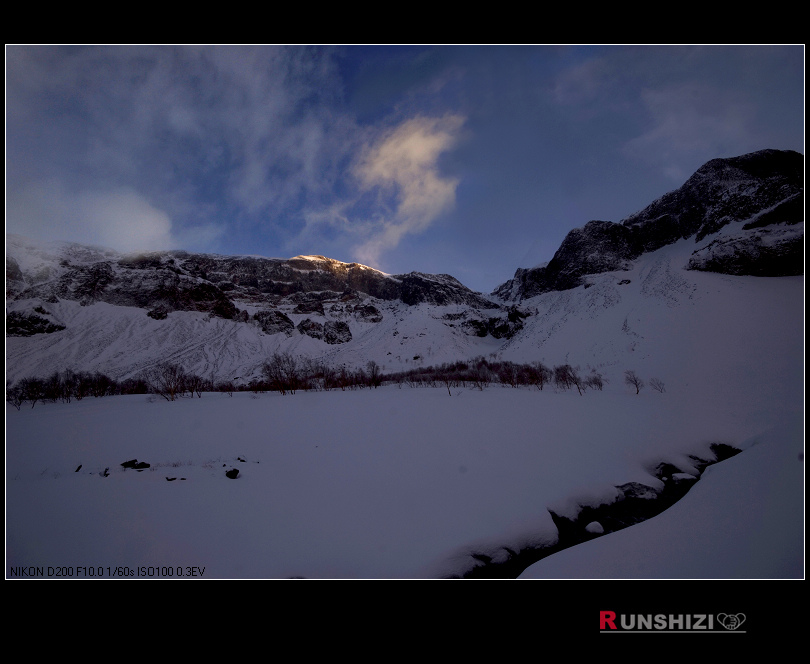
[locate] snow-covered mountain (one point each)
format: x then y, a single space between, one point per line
224 315
744 215
415 483
92 309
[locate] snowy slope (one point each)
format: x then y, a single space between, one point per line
616 320
743 520
399 483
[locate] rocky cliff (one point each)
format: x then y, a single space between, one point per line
756 200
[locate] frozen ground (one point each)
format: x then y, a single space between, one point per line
404 483
387 483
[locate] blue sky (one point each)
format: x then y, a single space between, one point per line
466 160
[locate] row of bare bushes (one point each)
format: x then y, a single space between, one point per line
287 374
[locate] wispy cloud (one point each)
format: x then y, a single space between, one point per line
237 133
687 123
402 165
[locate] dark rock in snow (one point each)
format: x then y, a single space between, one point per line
367 313
475 328
273 322
158 313
311 328
313 306
20 324
761 252
135 464
438 289
336 332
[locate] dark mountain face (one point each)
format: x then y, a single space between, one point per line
764 189
720 192
180 281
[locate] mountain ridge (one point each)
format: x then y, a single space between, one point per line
90 308
758 190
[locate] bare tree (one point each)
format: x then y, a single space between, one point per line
563 376
283 373
657 385
167 380
538 374
576 380
595 381
32 389
373 374
14 395
196 384
509 374
632 379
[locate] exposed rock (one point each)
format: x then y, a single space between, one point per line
135 464
311 328
367 313
500 327
475 328
147 261
438 289
158 313
273 322
20 324
762 189
774 251
198 282
720 192
336 332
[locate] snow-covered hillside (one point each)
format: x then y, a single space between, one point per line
413 482
643 318
401 481
118 332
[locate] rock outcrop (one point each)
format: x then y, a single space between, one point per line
762 192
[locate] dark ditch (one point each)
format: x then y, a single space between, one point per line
637 503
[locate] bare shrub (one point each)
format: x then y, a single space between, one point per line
595 381
657 385
633 380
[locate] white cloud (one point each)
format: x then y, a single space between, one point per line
403 164
120 219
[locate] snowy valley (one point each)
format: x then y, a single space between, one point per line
406 481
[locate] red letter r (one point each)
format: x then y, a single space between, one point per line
606 618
